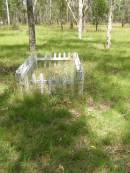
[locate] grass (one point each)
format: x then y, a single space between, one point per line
58 73
55 70
70 134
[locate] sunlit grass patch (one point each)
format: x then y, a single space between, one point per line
109 126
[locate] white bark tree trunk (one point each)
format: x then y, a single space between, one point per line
68 4
109 27
50 11
7 10
67 14
34 5
80 25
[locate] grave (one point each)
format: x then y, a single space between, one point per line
57 73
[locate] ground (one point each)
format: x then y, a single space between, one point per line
70 134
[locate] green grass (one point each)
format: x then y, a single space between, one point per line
70 134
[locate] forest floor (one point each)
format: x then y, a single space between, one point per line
67 134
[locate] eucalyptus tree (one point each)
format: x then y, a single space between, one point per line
71 7
109 26
124 11
2 16
83 7
86 7
50 11
99 10
7 11
31 25
80 25
15 11
77 9
34 5
62 12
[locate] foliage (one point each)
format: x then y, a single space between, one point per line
99 10
1 10
60 13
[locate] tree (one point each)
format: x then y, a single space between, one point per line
86 7
80 25
31 25
50 11
124 13
62 12
109 26
34 5
1 12
7 10
99 9
72 13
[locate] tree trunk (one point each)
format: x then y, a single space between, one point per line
67 14
122 23
62 27
50 19
68 4
34 5
80 26
71 24
96 25
7 10
84 22
109 27
31 26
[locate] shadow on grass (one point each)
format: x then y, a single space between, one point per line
13 52
48 137
8 69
